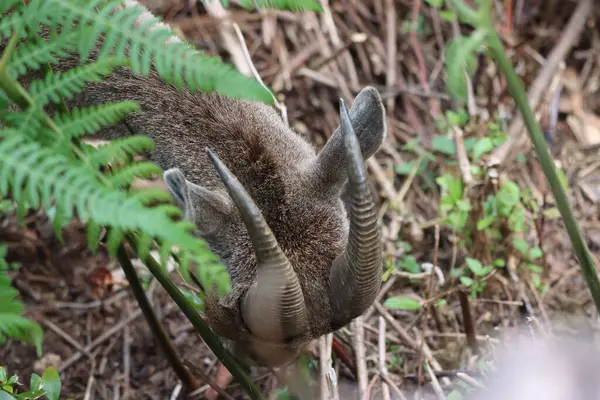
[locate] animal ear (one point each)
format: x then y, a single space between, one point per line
367 116
205 208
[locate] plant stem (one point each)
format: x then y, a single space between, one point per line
186 377
207 334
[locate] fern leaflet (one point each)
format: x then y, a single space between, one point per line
71 82
31 56
12 323
119 150
175 61
37 175
89 120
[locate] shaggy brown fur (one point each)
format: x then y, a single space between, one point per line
297 191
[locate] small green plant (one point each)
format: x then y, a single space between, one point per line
47 386
459 62
473 275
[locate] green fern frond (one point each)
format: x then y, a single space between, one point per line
89 120
12 322
151 195
175 61
31 56
125 175
8 23
37 175
21 20
7 5
292 5
119 150
29 121
71 82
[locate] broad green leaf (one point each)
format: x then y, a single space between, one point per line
483 145
474 265
521 245
444 145
457 118
52 383
535 253
6 396
35 382
402 303
435 3
447 15
485 222
468 282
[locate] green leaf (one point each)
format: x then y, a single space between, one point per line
435 3
35 382
3 375
509 195
483 145
460 58
485 222
521 245
52 383
12 323
6 396
444 145
402 303
476 267
457 118
465 280
535 253
447 15
406 168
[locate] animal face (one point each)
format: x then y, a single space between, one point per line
302 264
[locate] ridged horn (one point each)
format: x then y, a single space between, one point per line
355 275
273 307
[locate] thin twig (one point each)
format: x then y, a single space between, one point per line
382 359
361 363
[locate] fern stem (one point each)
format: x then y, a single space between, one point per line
485 22
205 332
184 374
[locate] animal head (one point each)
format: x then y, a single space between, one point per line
302 263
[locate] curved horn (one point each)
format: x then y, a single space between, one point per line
356 274
273 307
367 114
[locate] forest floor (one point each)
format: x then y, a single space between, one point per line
95 334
